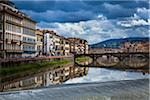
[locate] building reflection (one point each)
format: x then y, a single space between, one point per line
56 76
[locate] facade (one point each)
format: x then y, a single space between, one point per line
49 48
65 47
136 47
51 43
17 31
40 39
11 31
29 38
55 45
78 45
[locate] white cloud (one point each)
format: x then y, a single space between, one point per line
133 22
100 29
113 7
143 13
93 30
140 18
101 17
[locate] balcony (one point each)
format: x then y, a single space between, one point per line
14 50
14 23
29 50
32 42
14 41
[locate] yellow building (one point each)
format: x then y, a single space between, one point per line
40 40
78 45
65 47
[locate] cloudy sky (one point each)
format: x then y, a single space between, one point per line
94 20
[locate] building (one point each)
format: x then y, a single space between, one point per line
10 33
65 47
29 38
40 39
17 32
136 47
126 47
78 45
55 45
52 45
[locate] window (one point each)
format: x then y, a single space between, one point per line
0 17
29 24
1 35
28 32
13 19
0 26
10 27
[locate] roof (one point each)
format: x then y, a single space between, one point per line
71 39
8 2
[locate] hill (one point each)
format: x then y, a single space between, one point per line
117 43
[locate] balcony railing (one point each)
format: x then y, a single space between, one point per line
29 41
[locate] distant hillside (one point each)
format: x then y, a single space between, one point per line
117 43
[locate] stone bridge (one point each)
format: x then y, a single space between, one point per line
115 60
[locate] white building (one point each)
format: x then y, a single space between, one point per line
48 44
55 45
51 44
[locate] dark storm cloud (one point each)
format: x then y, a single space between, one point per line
75 11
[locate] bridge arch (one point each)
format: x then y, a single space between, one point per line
107 60
83 60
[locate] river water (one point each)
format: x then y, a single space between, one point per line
103 75
70 75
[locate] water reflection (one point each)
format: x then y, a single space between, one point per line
56 76
70 74
103 75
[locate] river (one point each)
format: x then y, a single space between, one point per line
104 75
70 75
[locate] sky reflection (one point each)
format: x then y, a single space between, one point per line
103 75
